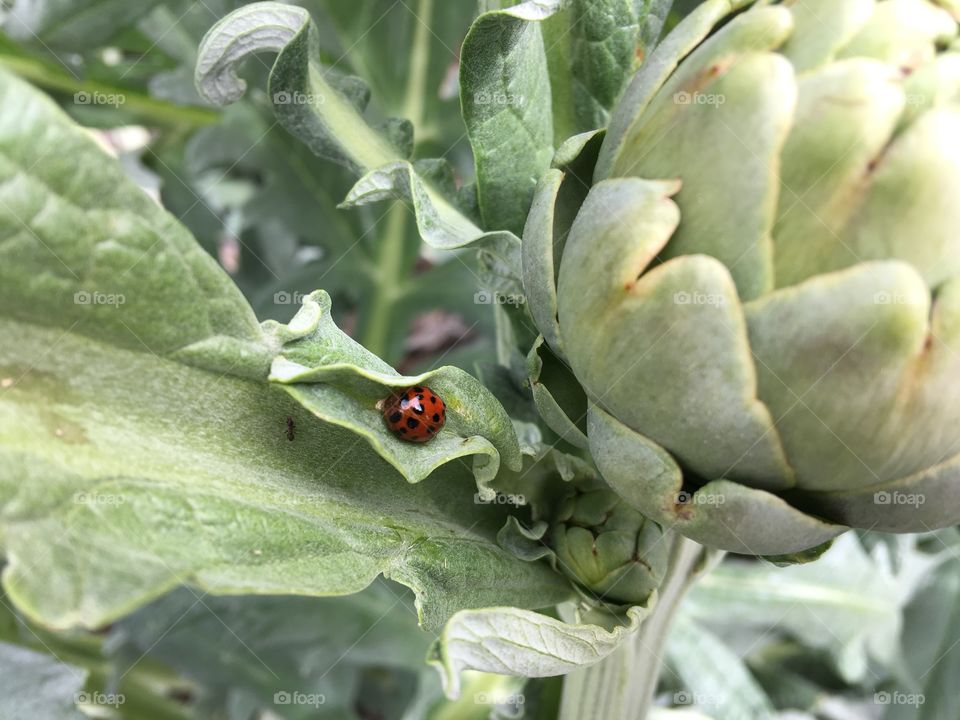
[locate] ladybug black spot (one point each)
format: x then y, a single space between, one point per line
396 417
412 423
436 417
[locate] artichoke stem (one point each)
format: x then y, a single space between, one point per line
621 686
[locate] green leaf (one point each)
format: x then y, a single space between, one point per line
441 225
267 645
518 642
342 383
847 603
594 47
325 112
322 109
714 677
125 472
931 632
72 24
81 242
505 93
35 686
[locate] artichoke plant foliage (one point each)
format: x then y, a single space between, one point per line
760 293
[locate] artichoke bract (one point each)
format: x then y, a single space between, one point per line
760 294
607 546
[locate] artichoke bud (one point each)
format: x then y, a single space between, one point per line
773 217
607 546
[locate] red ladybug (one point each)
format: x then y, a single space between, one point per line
415 414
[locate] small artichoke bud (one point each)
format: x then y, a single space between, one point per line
607 546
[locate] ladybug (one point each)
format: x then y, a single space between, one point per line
415 414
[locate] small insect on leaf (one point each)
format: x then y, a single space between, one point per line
416 414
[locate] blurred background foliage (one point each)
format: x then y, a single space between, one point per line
876 620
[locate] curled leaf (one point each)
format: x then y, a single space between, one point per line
322 109
341 382
519 642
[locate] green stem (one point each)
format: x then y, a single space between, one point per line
387 276
419 64
151 109
621 686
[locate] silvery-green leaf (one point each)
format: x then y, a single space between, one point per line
539 275
343 383
654 72
848 603
71 24
36 686
594 47
320 108
566 419
505 93
713 677
81 242
128 468
931 653
441 225
519 642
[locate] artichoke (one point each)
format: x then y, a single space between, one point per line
760 293
607 546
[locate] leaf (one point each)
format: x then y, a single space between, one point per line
931 649
267 645
505 93
441 225
558 397
34 686
713 676
125 472
847 603
80 241
408 54
594 47
516 642
323 110
342 383
71 24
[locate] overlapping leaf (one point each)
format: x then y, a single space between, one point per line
126 472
